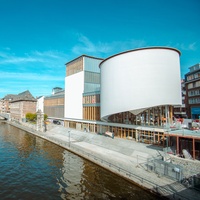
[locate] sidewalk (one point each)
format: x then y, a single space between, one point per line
122 157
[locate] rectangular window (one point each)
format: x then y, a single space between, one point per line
92 77
190 85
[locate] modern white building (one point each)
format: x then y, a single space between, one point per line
141 80
82 77
139 87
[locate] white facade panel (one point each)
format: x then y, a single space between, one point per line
40 104
139 79
74 86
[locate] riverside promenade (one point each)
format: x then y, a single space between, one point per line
123 157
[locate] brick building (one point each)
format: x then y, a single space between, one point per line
5 103
22 104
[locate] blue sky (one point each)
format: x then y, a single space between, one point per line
37 37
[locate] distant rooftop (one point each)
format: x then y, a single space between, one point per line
194 67
24 96
10 97
84 56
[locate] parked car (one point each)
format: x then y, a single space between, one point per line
56 122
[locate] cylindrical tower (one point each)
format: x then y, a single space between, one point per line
139 79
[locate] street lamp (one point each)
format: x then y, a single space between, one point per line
167 138
69 137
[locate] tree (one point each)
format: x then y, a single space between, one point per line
45 117
31 117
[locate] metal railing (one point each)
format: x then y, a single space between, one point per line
165 168
117 169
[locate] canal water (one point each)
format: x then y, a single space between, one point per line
33 168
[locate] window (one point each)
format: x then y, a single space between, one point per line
190 85
194 100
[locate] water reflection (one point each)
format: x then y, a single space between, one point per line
32 168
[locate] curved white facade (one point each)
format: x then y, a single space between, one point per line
140 79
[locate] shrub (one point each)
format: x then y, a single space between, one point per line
31 117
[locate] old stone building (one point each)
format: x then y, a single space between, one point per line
5 103
22 104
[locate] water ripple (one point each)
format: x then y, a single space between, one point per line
32 168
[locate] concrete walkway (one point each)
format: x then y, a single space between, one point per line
123 157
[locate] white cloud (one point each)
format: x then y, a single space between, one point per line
49 54
187 47
7 48
16 60
85 46
37 84
33 57
38 71
128 45
29 76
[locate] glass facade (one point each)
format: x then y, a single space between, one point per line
91 93
92 64
91 87
91 82
91 75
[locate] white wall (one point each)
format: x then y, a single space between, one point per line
140 79
74 86
40 104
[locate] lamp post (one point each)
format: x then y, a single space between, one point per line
69 137
167 138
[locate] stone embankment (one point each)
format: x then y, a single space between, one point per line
122 157
191 167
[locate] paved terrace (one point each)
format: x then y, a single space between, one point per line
123 157
185 132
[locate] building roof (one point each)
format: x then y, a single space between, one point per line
84 56
57 96
39 97
185 133
140 49
193 71
198 64
24 96
10 97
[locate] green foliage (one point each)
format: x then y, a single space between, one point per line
31 117
45 117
